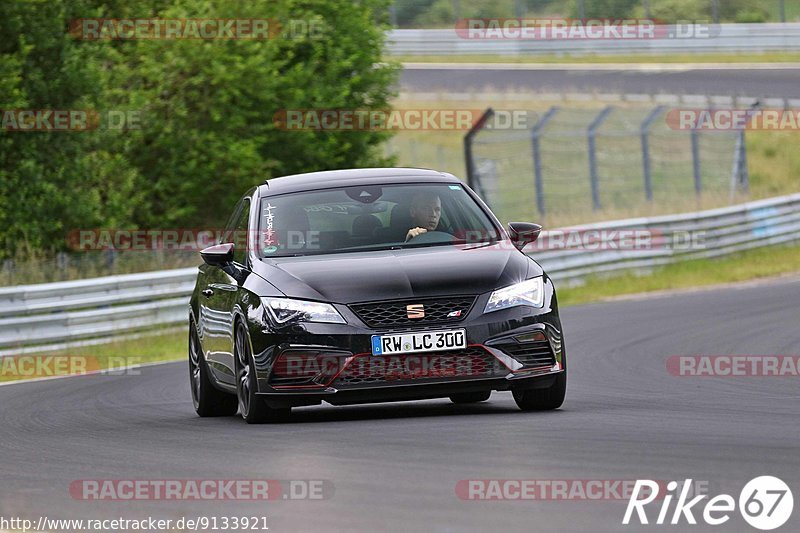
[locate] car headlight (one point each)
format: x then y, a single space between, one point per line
285 310
529 292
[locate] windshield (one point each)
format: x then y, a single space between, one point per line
371 217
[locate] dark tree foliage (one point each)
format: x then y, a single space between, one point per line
205 110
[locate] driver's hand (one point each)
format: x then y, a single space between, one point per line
415 232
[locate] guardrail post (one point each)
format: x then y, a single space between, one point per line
472 177
698 185
645 132
782 10
590 133
536 133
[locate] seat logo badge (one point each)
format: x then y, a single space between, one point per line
415 311
454 314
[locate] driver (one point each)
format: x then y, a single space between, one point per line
425 211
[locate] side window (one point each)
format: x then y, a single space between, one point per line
240 235
230 225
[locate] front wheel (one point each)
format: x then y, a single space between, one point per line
543 399
252 408
208 401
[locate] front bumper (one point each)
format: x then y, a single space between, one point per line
517 348
407 392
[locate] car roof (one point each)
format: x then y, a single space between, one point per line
353 177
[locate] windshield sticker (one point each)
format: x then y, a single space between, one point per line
455 187
269 234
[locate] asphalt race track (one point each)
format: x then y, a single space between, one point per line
395 466
761 83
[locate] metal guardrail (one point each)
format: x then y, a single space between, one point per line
66 312
720 231
731 38
69 311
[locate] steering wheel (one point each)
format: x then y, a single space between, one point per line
431 237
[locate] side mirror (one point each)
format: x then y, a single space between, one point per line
523 233
218 255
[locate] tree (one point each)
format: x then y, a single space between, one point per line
206 131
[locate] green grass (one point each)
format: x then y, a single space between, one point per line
168 345
744 266
767 57
774 162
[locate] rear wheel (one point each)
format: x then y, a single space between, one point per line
470 397
252 408
543 399
207 400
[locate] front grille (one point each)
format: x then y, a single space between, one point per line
393 314
470 363
531 354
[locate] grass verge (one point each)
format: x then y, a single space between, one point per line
169 345
744 266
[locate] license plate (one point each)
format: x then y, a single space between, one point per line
427 341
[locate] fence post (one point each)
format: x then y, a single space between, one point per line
645 132
744 182
472 177
698 185
536 133
739 176
590 133
782 10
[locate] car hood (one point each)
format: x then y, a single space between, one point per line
394 274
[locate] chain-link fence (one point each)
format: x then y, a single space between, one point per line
65 266
445 13
614 159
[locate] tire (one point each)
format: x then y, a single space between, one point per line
470 397
252 408
543 399
208 401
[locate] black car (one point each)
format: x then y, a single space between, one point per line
370 285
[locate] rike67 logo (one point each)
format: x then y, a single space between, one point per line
765 503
